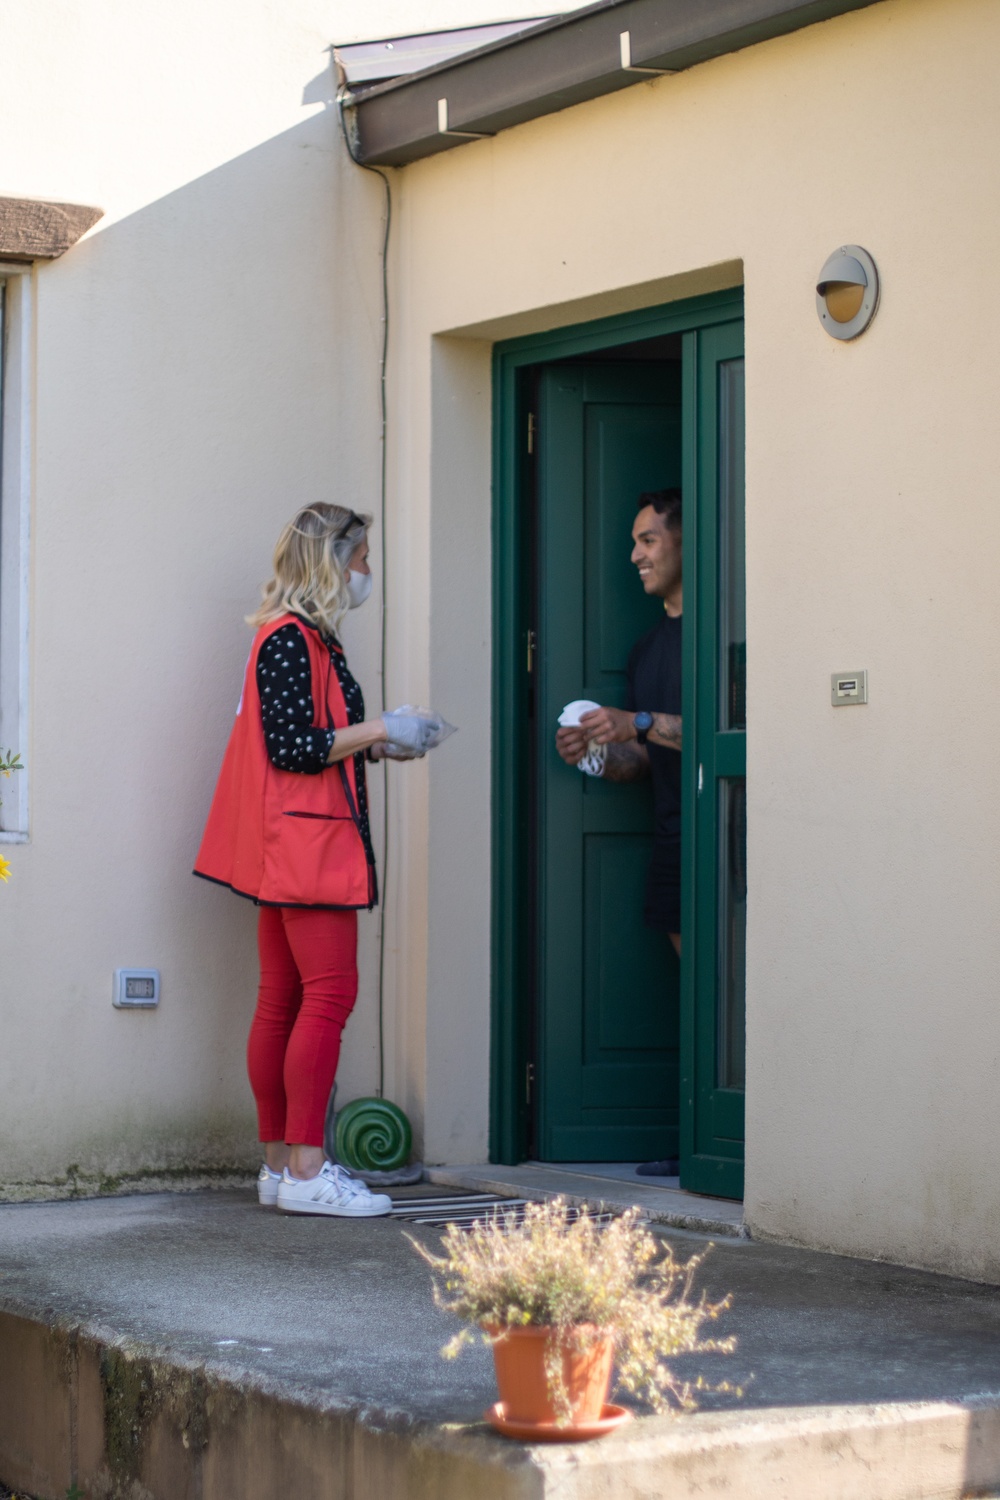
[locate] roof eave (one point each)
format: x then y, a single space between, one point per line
37 229
562 62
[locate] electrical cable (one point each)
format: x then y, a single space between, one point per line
383 358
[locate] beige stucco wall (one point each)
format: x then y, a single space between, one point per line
873 536
204 361
206 358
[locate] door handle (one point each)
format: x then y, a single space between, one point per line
701 778
532 645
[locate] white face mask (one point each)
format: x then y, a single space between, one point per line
359 586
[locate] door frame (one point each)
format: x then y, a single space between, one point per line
510 958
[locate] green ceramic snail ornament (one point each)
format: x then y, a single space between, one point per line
373 1135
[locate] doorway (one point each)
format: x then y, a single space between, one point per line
605 1047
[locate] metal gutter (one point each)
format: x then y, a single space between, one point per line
564 61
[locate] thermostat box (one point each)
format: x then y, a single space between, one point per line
136 989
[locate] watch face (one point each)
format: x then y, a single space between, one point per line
643 722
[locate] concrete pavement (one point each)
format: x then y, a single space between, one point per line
131 1327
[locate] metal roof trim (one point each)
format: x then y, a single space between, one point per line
364 65
530 30
561 62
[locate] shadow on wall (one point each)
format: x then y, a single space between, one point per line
320 90
205 365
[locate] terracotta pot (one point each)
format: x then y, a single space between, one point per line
519 1356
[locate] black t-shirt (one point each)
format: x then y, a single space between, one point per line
654 684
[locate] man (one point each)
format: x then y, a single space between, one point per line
644 737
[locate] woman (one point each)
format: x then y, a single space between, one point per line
288 828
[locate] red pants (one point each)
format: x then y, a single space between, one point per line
308 986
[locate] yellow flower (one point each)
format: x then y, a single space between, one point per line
4 868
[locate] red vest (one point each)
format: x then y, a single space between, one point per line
281 837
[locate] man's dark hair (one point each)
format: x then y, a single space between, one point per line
666 503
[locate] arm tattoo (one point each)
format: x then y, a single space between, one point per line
666 731
626 763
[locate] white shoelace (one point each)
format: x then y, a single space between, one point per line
346 1187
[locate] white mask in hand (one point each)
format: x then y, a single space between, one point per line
359 586
594 761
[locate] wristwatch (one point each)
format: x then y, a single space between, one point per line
643 724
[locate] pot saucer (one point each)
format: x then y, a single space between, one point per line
547 1432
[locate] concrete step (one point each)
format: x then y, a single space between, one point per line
138 1423
669 1206
200 1348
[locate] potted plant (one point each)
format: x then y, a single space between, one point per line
562 1298
8 762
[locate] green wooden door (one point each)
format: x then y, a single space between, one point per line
714 769
608 989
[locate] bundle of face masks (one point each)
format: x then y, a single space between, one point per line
413 731
592 763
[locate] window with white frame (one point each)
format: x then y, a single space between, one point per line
15 514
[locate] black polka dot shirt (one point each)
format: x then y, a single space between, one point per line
284 682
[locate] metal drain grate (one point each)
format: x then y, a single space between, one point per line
467 1209
463 1209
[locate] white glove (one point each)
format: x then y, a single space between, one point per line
412 731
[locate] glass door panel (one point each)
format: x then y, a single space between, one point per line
732 549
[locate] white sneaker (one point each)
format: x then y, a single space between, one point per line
267 1186
332 1192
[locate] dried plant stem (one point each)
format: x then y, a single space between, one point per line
562 1272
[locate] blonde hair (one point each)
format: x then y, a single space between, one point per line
310 566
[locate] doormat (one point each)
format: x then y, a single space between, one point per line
468 1209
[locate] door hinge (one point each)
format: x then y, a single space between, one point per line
532 646
529 1081
532 430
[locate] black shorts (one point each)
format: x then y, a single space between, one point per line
662 908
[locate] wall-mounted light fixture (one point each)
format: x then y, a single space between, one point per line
847 292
